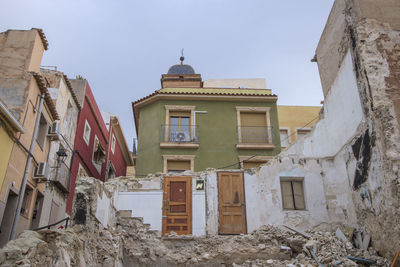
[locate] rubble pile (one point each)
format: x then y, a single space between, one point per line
132 244
269 245
127 241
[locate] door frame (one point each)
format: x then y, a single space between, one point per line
166 193
244 200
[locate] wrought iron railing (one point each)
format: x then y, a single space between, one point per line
55 224
179 133
254 135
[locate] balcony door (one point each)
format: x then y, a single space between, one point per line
254 127
179 127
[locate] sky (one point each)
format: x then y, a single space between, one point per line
123 46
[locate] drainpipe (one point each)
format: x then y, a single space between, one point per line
27 168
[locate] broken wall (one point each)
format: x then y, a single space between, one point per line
369 32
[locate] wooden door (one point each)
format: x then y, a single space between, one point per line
177 205
231 203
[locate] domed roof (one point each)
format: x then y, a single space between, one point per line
181 69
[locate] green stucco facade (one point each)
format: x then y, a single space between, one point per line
217 133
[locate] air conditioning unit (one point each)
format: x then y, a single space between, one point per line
41 171
182 137
54 130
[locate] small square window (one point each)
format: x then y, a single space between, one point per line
302 132
86 133
292 194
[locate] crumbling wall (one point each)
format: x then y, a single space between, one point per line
369 31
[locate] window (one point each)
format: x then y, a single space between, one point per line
178 163
82 172
248 162
284 136
69 124
177 166
26 202
252 164
113 144
254 131
292 193
99 154
178 127
302 132
86 133
42 133
111 171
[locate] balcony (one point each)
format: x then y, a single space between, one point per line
61 178
179 136
255 137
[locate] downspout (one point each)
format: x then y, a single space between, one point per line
27 168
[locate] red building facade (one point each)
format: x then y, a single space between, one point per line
98 152
91 136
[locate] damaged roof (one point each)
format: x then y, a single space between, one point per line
43 89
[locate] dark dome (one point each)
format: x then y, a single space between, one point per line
181 69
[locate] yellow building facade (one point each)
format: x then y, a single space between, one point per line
21 88
296 121
9 127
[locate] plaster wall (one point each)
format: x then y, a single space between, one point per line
342 101
198 213
147 205
6 144
103 211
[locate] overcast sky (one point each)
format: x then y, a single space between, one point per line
122 47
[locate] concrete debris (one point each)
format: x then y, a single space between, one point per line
132 244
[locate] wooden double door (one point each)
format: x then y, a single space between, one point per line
231 203
177 205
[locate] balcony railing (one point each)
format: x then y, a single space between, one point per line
179 133
255 135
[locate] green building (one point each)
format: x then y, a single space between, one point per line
190 124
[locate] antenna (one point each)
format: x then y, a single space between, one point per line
182 58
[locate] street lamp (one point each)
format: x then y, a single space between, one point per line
61 155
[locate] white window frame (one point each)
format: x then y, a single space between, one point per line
293 179
113 141
301 128
87 138
287 129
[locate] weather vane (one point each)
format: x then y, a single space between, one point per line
182 58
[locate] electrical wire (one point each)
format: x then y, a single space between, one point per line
250 157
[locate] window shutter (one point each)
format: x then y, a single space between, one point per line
176 165
287 197
298 195
251 164
253 119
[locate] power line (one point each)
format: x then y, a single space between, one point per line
259 154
